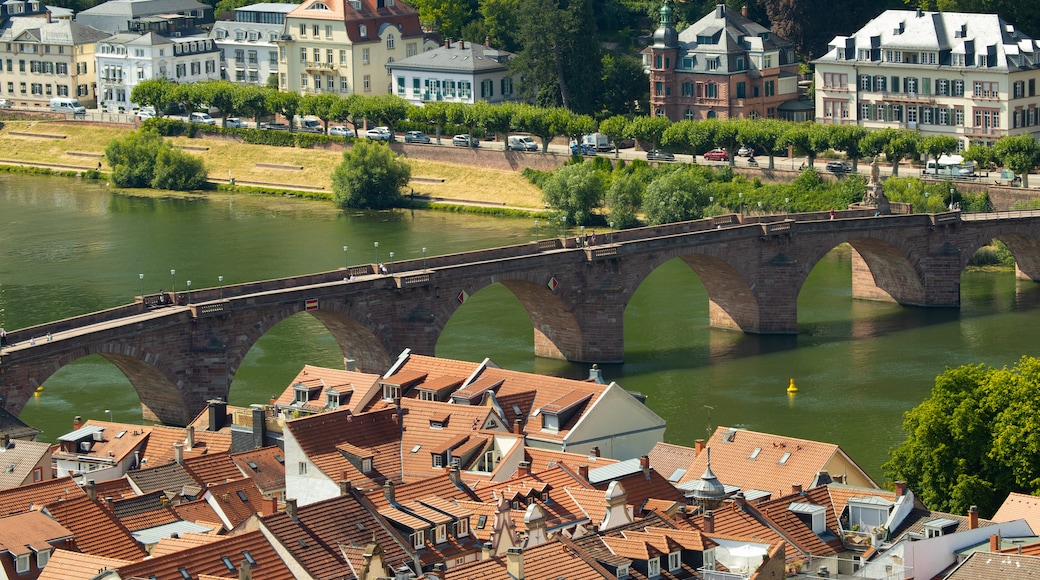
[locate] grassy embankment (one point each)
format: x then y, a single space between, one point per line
240 159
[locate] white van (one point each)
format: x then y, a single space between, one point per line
67 105
597 142
522 143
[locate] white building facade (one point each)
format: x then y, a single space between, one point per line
461 72
970 76
126 59
248 44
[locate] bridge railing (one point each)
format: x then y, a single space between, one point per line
100 316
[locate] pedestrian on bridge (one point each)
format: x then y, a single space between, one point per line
3 337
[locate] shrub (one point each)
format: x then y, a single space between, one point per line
370 176
143 159
308 140
179 171
265 137
575 190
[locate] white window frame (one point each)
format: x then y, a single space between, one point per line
442 533
674 561
653 567
21 563
42 557
419 539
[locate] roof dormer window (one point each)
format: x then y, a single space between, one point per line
550 422
653 567
674 561
362 30
319 6
332 399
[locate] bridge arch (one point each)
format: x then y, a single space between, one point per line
1024 247
154 380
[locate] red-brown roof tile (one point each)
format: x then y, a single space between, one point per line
160 450
377 431
23 498
207 559
549 561
97 530
235 501
268 473
212 469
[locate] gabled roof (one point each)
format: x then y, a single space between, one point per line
143 512
377 431
640 485
542 459
670 460
68 565
773 463
746 524
431 428
235 501
988 566
23 498
638 540
10 425
32 531
263 467
919 520
398 14
208 559
213 469
729 28
171 478
1020 506
441 486
138 8
18 460
160 450
57 32
318 381
549 561
462 57
97 530
198 511
314 536
184 541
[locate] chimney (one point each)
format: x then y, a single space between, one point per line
524 469
583 471
290 508
178 453
973 517
438 571
447 43
994 543
518 427
245 571
269 505
644 463
709 522
595 452
49 17
349 364
698 446
455 475
487 550
796 488
217 414
189 441
487 41
77 422
7 441
388 491
839 479
515 563
344 487
91 489
900 488
743 11
739 502
596 375
259 427
462 44
720 11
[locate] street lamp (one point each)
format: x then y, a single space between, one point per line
760 208
424 258
611 224
536 231
189 291
377 253
173 288
141 276
109 413
563 222
952 192
220 280
345 248
582 232
391 263
741 196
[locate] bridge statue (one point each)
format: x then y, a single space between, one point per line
874 196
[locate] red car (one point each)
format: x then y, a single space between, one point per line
716 155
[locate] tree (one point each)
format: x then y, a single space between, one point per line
936 145
370 176
575 190
253 101
446 16
1020 154
190 96
272 81
624 83
501 23
614 128
902 144
767 136
499 119
727 134
648 129
351 109
624 198
387 110
975 438
874 142
321 105
983 155
674 197
219 95
178 170
287 104
847 138
579 126
132 158
808 138
155 93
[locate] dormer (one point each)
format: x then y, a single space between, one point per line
899 29
812 515
939 527
302 394
399 384
869 512
331 399
557 413
359 457
437 389
473 393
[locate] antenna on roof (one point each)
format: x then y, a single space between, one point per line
710 409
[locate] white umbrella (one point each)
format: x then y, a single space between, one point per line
748 551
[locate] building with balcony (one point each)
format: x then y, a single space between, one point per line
248 48
345 46
462 72
970 76
116 16
41 58
126 59
723 66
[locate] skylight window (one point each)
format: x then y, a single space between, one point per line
184 573
242 496
784 458
228 564
120 434
252 465
279 459
249 558
754 454
416 448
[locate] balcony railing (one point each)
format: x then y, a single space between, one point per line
314 65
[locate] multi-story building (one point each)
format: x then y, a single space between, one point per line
971 76
125 59
117 16
345 46
248 43
41 58
722 66
462 72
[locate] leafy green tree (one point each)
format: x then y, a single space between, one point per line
502 23
682 135
132 158
902 144
351 109
935 146
499 119
727 134
982 155
1020 154
370 176
155 93
252 101
575 190
767 135
191 96
648 129
847 138
178 170
321 105
286 104
809 139
388 110
874 142
436 114
535 120
446 16
624 198
614 128
272 81
976 438
221 96
673 197
580 125
624 84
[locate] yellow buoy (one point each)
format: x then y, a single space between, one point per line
39 389
791 388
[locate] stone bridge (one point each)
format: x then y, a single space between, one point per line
179 356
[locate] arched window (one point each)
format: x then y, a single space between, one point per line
390 42
363 30
753 114
657 61
711 114
319 6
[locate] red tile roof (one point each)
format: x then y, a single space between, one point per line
376 431
542 459
68 565
318 381
549 561
235 500
32 531
160 450
212 469
24 497
1020 506
207 559
198 511
97 530
667 458
268 473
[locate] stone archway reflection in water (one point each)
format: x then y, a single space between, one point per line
70 248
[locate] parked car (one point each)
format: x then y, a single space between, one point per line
275 126
716 154
581 148
658 155
465 141
5 104
416 137
839 167
202 119
235 123
310 126
745 151
379 134
522 143
341 131
145 113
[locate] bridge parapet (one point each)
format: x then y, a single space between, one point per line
777 228
946 218
414 280
208 309
597 253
